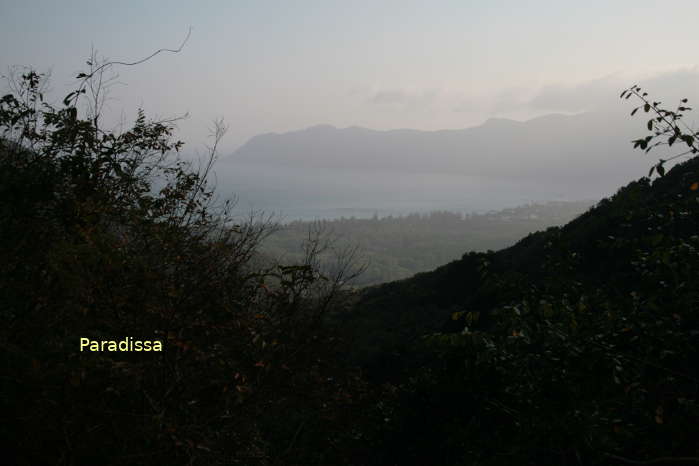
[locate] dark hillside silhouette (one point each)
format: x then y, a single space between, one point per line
575 346
577 341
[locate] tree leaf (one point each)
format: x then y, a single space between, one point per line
66 101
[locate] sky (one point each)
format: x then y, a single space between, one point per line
276 66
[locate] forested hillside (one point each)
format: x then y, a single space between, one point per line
575 346
393 248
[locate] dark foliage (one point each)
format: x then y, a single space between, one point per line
575 346
109 235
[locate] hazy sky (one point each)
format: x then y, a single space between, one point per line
283 65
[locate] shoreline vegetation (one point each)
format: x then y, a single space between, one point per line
397 247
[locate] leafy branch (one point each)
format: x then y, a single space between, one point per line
667 127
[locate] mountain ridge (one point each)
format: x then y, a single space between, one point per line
554 145
492 121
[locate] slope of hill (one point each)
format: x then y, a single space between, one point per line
577 345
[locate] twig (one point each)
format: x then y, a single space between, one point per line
177 50
87 76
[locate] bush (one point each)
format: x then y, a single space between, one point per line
107 235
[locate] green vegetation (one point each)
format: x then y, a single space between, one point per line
578 342
394 248
577 345
110 236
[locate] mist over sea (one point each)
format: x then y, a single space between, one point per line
311 193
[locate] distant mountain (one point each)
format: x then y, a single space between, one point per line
563 146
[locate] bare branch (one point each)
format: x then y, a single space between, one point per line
86 77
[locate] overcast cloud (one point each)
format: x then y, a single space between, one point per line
276 66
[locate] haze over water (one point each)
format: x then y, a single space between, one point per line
307 194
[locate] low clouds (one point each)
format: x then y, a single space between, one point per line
585 96
412 98
604 92
452 107
593 95
388 97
